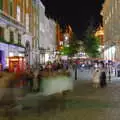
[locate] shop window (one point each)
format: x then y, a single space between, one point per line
19 39
1 34
11 37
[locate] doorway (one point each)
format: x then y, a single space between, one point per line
2 59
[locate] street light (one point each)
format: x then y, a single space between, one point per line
66 37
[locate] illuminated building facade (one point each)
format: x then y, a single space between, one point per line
13 26
59 38
35 31
67 36
100 34
111 23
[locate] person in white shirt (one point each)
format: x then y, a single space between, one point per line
96 78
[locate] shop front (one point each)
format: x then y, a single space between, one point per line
109 53
3 55
6 51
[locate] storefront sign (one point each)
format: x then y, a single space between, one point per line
21 50
3 46
14 49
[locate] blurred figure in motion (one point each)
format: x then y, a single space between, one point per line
103 81
36 80
96 78
7 98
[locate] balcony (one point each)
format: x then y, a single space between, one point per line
10 21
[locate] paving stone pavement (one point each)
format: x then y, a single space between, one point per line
83 103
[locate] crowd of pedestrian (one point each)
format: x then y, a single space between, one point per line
34 75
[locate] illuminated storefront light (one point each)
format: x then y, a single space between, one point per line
11 54
109 54
46 57
7 62
21 55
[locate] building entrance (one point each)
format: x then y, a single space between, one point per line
2 60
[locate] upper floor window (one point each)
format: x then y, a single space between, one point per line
27 22
112 10
1 32
27 3
19 39
116 2
18 13
1 4
11 7
11 36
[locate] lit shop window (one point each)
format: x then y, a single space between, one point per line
18 13
27 22
11 54
61 43
7 62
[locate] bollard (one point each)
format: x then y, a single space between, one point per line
76 72
109 76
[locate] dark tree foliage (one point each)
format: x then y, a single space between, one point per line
91 42
73 46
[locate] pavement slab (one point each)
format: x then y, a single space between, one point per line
83 103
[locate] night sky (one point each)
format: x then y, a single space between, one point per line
77 13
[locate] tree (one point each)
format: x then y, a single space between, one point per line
91 42
91 45
73 46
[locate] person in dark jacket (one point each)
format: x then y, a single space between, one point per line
103 82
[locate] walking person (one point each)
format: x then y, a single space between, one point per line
103 82
96 78
35 81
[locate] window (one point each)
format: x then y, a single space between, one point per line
18 13
27 3
116 2
19 39
1 4
27 22
11 36
1 32
11 7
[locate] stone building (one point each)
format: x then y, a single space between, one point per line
111 23
15 28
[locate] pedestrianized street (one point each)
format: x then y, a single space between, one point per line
59 64
83 103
